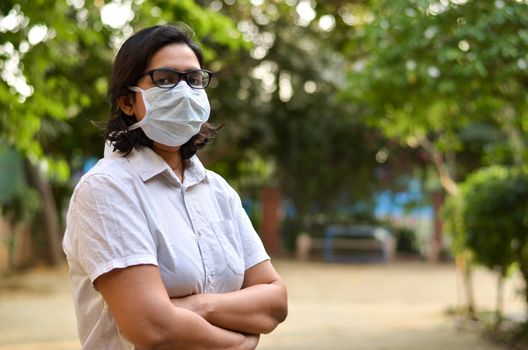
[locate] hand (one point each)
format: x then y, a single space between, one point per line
193 302
252 340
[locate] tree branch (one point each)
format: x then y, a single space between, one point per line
446 179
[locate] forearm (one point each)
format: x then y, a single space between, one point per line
145 315
190 331
248 342
256 309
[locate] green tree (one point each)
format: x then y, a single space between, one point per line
48 70
448 77
495 214
285 107
445 75
55 61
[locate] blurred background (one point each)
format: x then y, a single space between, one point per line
379 147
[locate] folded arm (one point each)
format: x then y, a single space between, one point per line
142 308
257 308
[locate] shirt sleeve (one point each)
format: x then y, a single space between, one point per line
254 251
106 227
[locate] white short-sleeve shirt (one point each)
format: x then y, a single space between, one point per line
133 210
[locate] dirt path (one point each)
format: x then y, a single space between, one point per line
332 307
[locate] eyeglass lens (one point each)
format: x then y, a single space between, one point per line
166 78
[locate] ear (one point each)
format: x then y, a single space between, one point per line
126 103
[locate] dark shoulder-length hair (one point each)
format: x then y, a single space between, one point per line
130 64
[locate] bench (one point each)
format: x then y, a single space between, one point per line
358 244
349 244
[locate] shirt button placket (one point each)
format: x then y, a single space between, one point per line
209 265
203 242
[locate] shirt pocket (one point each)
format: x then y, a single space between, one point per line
227 234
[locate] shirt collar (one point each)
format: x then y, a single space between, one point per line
194 172
148 164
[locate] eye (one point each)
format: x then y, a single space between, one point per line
197 78
165 78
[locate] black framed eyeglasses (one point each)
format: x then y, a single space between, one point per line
167 78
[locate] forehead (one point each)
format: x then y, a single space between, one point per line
177 56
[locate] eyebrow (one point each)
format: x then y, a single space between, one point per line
188 69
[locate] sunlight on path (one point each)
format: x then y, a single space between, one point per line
332 307
390 307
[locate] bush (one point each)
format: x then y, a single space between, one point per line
495 215
494 208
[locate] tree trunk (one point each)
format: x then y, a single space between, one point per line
515 137
446 179
436 240
463 260
500 296
470 294
11 241
49 214
463 265
523 266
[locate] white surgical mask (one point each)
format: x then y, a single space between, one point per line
174 115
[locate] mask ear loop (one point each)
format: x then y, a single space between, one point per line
147 108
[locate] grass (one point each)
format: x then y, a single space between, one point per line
509 333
